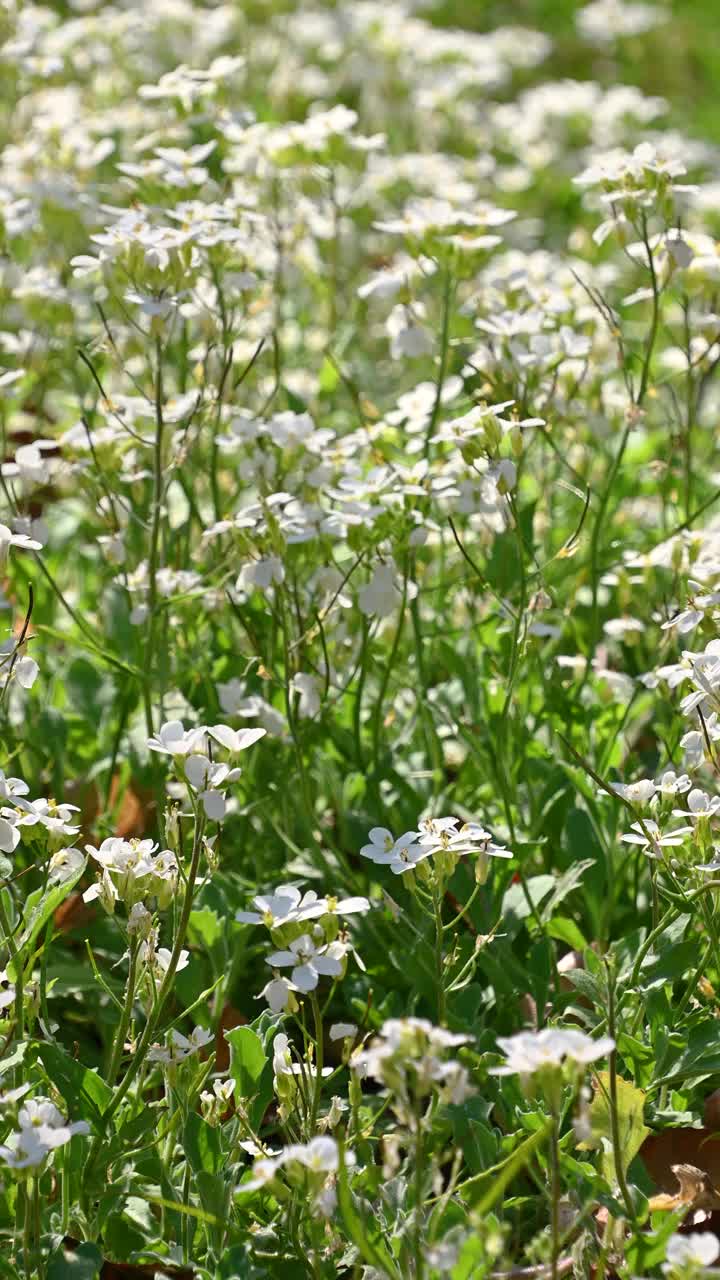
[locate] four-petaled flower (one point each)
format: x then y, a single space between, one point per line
309 962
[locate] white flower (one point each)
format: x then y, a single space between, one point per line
11 1096
261 574
441 835
235 740
604 21
638 793
174 740
346 906
308 689
158 958
9 539
528 1051
672 784
135 870
42 1128
64 864
400 855
699 805
181 1047
56 818
343 1031
284 1065
320 1155
139 920
407 337
279 993
308 961
7 991
408 1057
26 672
9 833
381 596
651 839
282 906
12 787
699 1248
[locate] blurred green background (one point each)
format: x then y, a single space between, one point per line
679 59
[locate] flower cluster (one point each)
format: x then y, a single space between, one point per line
433 836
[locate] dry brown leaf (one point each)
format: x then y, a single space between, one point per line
661 1152
229 1018
72 913
137 1270
695 1191
135 809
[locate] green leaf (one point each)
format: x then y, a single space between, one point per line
15 1058
41 905
82 1262
328 377
587 985
565 930
206 925
644 1250
202 1146
362 1228
247 1060
700 1057
515 906
631 1126
81 1088
564 886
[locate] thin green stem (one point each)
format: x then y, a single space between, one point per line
126 1015
555 1191
319 1061
154 552
613 1100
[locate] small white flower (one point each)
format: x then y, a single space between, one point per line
400 855
261 574
407 337
343 1031
638 793
181 1047
529 1051
320 1155
652 840
279 994
699 805
7 991
699 1248
9 539
42 1129
285 1065
308 689
64 864
282 906
9 834
381 596
309 962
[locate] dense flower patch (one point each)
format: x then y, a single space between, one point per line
359 679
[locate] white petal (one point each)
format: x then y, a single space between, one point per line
305 977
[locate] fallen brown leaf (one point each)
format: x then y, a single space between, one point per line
136 1270
661 1152
695 1191
229 1018
135 809
72 913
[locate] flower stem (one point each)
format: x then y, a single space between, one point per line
125 1017
319 1060
555 1190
